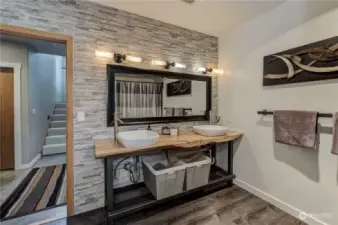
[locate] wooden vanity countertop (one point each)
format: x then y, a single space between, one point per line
108 148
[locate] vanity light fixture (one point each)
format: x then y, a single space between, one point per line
218 71
104 54
118 57
210 70
204 70
133 59
167 64
155 62
178 65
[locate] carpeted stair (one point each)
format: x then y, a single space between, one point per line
55 142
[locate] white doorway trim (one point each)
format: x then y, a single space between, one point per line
17 111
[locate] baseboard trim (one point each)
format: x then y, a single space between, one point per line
31 164
278 203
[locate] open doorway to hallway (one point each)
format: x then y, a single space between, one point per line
33 129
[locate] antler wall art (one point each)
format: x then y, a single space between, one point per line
316 61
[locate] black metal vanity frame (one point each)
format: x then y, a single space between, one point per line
113 69
218 179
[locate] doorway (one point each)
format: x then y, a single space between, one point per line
67 41
7 118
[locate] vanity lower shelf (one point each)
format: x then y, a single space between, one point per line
135 198
118 206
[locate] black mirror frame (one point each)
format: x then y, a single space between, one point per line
113 69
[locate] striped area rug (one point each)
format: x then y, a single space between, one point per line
42 188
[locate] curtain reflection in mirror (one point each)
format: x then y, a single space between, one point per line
137 99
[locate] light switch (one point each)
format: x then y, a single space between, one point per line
80 116
33 111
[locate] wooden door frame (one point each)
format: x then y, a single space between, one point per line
17 111
68 41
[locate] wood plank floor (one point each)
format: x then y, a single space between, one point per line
9 180
232 206
36 218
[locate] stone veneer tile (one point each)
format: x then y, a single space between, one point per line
96 27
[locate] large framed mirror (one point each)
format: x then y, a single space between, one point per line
141 96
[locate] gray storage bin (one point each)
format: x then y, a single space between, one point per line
198 168
163 179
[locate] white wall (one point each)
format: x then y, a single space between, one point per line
297 178
17 53
42 96
197 100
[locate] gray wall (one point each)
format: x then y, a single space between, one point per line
17 53
60 79
96 27
42 94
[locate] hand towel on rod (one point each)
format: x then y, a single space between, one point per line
178 111
335 134
169 112
297 128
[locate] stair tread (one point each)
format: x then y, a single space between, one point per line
56 136
56 128
55 145
52 149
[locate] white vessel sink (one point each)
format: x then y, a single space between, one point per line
137 138
210 130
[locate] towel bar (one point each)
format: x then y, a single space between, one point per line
265 113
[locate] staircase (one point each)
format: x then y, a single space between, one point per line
55 142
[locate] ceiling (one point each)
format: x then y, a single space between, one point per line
40 46
213 17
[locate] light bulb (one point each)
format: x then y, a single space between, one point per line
104 54
202 69
158 62
180 65
218 71
133 58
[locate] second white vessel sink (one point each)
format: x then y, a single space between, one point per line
210 130
137 138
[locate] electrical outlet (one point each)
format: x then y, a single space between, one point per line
80 116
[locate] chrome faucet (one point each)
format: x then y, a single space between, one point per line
213 118
117 121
